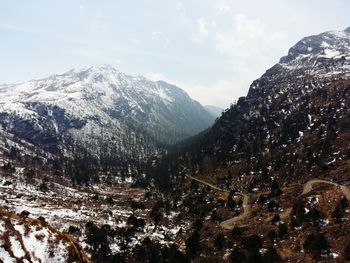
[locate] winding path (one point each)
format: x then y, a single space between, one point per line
206 183
307 187
309 184
230 223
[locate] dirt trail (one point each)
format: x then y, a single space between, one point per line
206 183
230 223
307 187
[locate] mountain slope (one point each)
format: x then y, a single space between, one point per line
306 90
247 178
106 95
99 111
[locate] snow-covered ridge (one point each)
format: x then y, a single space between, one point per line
102 85
323 56
313 52
101 96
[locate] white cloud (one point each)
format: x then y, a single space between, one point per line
221 8
220 93
201 30
248 39
16 28
81 7
252 48
155 76
134 40
248 46
118 62
179 6
97 17
168 42
156 34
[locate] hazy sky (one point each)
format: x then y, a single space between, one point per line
213 49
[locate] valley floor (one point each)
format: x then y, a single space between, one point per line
71 209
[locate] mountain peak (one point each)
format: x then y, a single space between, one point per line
101 69
98 67
314 51
93 74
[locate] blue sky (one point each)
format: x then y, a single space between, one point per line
213 49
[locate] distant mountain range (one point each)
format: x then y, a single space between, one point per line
100 110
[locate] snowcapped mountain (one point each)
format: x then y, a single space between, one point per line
314 51
101 110
101 96
323 55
